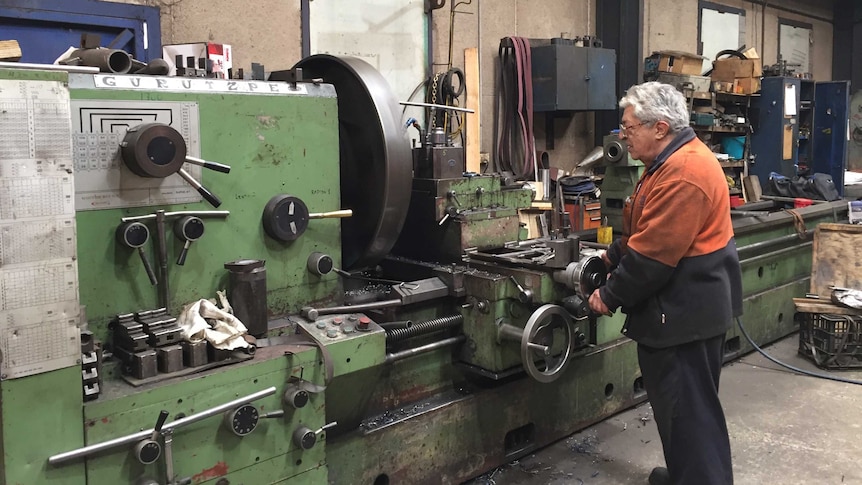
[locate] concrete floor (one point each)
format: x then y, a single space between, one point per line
784 429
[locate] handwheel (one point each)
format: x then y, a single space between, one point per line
537 342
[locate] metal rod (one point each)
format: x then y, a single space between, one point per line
394 357
354 308
774 242
440 106
510 332
780 252
178 213
164 287
132 438
331 215
169 456
594 245
50 67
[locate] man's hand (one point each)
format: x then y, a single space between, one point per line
597 305
606 259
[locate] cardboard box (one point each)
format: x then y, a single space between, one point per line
220 57
748 85
729 69
679 62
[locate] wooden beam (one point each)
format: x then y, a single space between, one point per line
10 50
471 80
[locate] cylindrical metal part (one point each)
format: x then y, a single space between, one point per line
396 325
61 458
438 137
247 294
545 176
422 328
319 263
396 356
353 308
107 60
164 289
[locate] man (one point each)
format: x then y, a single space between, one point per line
676 275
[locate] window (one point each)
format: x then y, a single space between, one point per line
719 28
794 44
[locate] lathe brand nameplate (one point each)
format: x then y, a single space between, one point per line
197 85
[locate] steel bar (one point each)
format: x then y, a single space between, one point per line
774 242
438 106
169 427
780 252
396 356
164 287
50 67
178 213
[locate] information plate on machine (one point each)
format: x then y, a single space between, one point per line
39 311
101 180
198 85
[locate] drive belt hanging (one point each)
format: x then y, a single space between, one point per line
515 143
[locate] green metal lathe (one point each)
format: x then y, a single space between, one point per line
402 332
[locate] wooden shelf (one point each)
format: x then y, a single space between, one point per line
733 164
720 129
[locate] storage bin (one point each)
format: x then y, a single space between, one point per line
733 146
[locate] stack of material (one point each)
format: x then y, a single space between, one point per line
742 76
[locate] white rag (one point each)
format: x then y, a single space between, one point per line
847 297
203 320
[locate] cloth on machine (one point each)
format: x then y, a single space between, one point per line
203 320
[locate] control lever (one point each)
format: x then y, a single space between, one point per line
205 193
218 167
149 450
450 212
304 437
525 295
135 235
451 195
188 229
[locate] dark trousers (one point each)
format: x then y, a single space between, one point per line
682 386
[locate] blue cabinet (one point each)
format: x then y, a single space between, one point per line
46 28
799 127
829 135
775 128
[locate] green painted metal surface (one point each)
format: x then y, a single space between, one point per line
275 145
40 414
207 449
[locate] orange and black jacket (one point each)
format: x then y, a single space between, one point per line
675 271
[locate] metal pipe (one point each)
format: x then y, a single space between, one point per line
773 242
424 328
164 286
749 213
107 60
132 438
178 213
780 252
396 356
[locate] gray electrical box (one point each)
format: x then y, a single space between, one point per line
567 77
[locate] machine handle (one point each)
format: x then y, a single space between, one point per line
209 196
147 267
181 259
218 167
331 215
160 421
206 194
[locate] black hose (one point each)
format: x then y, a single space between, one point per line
422 328
790 367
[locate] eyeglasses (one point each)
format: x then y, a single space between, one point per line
626 130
